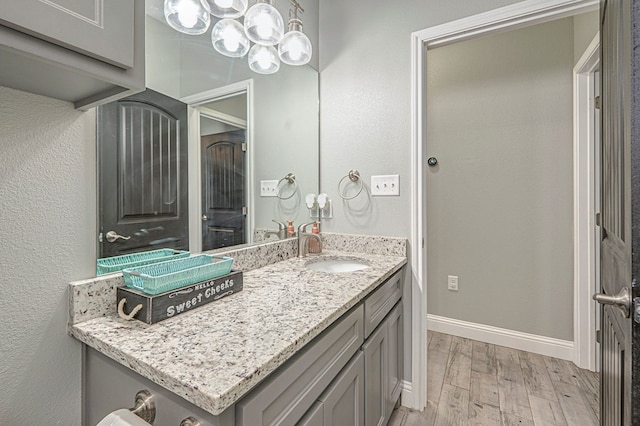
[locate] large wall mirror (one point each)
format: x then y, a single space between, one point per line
244 129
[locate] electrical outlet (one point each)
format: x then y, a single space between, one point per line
327 211
452 282
268 188
385 185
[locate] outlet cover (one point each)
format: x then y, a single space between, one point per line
385 185
268 188
452 282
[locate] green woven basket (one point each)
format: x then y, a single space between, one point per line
109 265
166 276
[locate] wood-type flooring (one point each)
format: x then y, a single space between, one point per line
475 383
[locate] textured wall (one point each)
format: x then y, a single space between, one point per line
47 229
500 203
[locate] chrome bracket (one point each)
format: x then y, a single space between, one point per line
144 407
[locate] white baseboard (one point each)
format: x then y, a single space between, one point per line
407 399
542 345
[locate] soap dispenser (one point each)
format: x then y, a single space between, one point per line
314 245
291 231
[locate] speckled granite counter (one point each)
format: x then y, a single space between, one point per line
215 354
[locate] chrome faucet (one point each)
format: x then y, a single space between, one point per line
281 232
303 239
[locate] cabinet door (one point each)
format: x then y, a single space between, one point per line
314 417
343 401
394 351
376 371
102 29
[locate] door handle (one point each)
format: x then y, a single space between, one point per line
113 236
204 218
622 300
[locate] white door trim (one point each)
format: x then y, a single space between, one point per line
195 167
584 207
521 14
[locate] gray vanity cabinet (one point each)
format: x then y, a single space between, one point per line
83 51
285 397
343 401
395 356
340 378
375 367
383 350
314 417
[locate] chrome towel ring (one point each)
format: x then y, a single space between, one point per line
354 176
291 180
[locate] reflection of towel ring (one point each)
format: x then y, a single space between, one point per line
354 176
291 179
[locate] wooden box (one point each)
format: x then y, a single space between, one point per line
156 308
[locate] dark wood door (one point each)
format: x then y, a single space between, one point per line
142 145
620 210
223 192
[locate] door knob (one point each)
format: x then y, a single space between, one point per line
204 217
622 300
113 236
432 161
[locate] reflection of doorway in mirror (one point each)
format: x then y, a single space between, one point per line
223 188
223 167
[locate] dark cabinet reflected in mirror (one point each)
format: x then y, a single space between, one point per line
193 182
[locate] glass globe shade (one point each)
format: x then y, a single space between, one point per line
263 24
227 8
295 48
187 16
229 39
263 59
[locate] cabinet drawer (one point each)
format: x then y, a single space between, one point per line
381 301
289 392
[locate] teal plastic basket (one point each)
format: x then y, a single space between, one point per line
166 276
113 264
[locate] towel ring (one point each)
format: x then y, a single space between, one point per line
291 179
354 176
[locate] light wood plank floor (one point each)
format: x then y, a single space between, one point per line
475 383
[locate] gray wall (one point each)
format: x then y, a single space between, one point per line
47 224
585 28
500 204
365 116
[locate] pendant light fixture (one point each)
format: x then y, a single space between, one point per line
295 47
264 59
263 23
229 39
187 16
227 8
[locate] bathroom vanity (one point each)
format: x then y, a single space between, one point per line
296 346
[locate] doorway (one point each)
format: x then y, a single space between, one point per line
221 184
519 15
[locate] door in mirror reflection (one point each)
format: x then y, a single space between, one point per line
223 192
143 205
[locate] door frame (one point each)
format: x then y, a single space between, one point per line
195 172
586 255
521 14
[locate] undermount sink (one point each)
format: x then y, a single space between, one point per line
337 265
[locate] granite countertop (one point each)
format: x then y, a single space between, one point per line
213 355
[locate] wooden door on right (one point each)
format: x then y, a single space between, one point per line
620 214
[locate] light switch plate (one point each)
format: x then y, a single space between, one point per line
385 185
268 188
452 282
